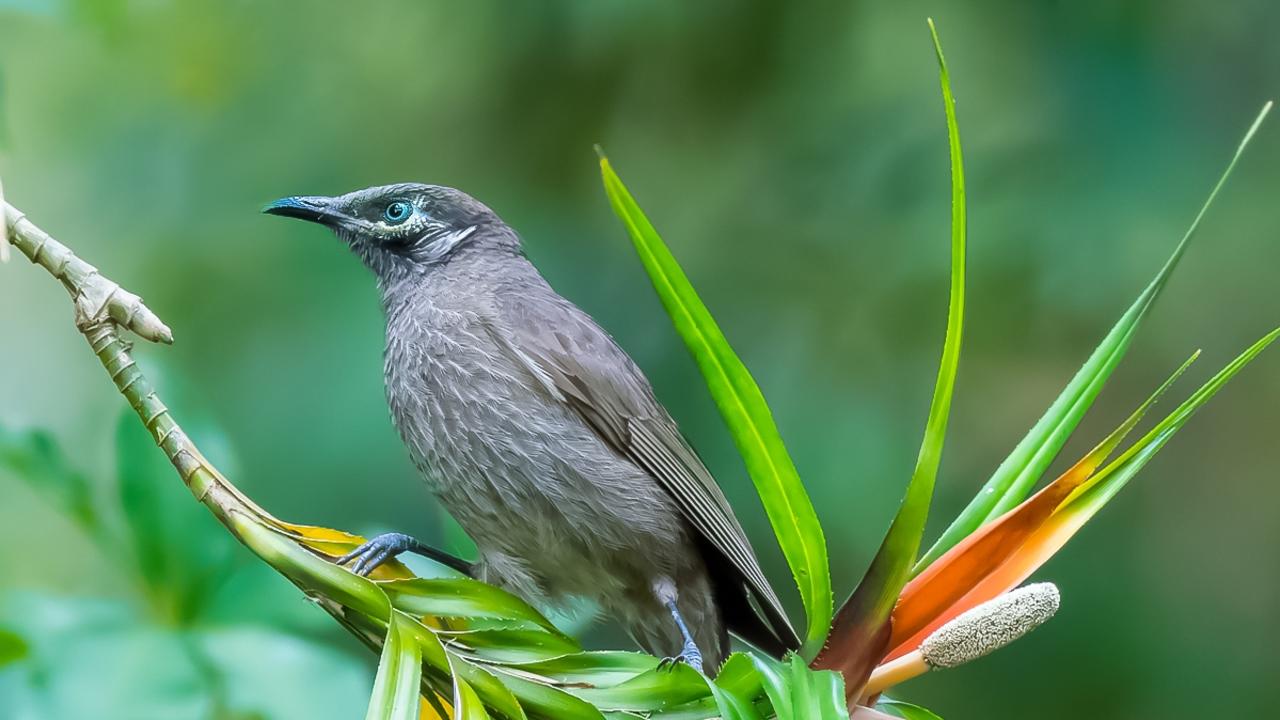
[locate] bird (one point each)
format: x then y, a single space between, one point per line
541 436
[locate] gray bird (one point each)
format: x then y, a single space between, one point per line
541 436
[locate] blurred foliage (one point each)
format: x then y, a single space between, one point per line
202 632
12 647
794 157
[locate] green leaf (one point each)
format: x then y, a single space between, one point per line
462 598
489 689
744 410
34 457
777 686
466 704
94 657
308 570
947 586
1014 478
398 683
599 669
731 705
267 673
1091 496
739 675
544 701
861 627
735 689
12 647
1086 500
182 553
897 708
107 658
829 687
650 691
510 646
816 694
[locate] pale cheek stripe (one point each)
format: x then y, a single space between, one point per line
446 244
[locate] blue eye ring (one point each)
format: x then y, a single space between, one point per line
397 212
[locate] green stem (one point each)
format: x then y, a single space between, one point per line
102 307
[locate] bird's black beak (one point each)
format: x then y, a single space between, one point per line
315 208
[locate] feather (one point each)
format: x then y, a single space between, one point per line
580 364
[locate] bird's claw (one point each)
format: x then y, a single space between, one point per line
372 554
692 659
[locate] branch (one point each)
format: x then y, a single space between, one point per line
98 301
465 647
102 307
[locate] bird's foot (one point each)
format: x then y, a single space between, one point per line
690 656
366 558
369 556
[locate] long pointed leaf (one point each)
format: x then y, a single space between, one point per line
650 691
12 647
544 701
466 704
955 573
510 646
739 674
776 686
398 683
1023 468
816 695
734 688
462 597
594 669
1087 500
495 695
860 632
743 408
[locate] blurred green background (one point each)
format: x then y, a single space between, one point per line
793 155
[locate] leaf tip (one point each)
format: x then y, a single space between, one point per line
1257 123
937 44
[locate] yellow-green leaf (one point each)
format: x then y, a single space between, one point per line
466 704
861 630
398 683
1027 463
12 647
744 410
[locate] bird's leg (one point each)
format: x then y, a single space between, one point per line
665 589
690 655
366 558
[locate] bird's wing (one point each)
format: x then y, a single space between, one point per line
577 362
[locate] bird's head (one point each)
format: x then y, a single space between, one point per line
404 228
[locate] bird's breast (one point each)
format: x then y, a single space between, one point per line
519 470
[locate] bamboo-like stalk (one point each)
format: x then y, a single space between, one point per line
304 555
102 307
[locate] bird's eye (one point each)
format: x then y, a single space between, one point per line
397 212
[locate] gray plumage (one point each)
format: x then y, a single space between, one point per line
540 435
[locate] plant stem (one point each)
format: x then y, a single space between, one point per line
894 672
102 307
